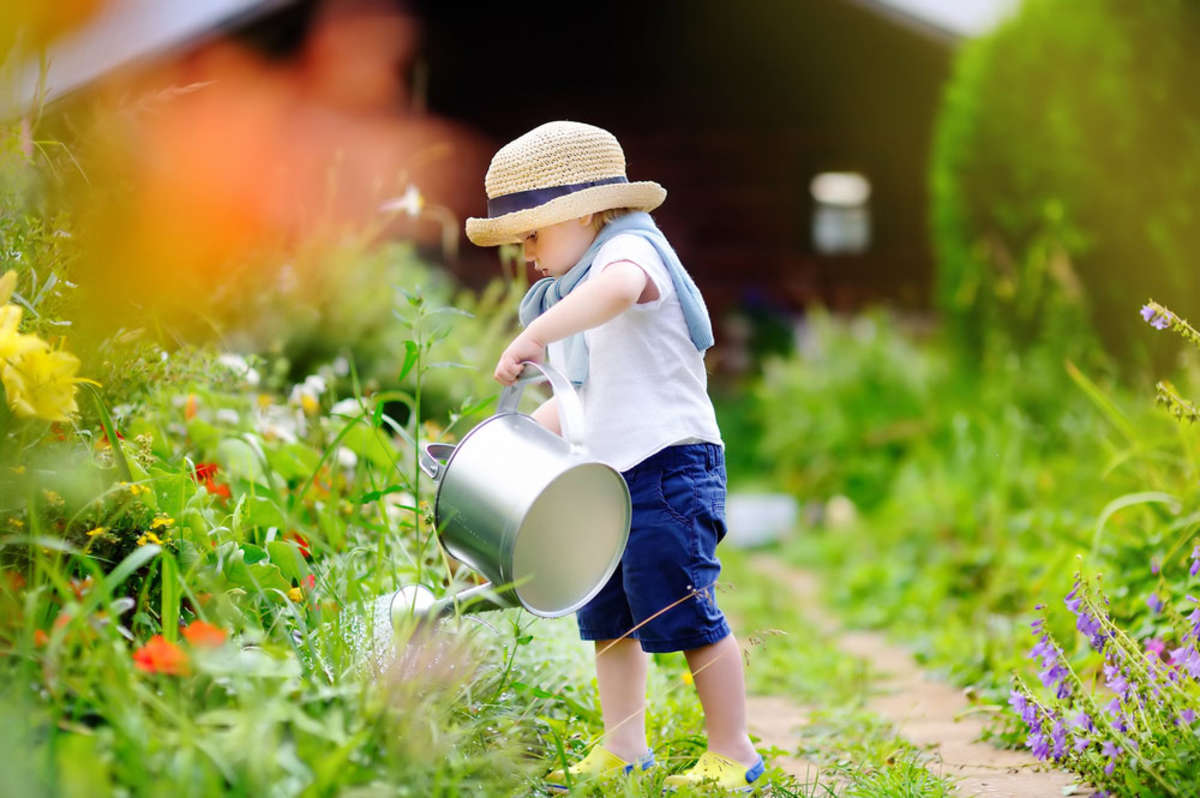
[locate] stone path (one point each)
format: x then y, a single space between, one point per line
928 713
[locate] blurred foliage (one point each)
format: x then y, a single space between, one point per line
1065 173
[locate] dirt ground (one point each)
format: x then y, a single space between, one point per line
928 713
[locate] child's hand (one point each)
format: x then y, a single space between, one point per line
524 347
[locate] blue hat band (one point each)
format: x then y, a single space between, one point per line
524 200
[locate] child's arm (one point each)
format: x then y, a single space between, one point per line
599 299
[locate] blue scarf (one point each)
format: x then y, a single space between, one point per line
548 291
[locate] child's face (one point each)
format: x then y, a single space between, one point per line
556 248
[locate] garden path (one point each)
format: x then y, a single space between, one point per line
929 713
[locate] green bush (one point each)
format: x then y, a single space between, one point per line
1065 171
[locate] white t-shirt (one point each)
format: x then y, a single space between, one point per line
646 387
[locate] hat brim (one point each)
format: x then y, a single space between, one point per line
508 229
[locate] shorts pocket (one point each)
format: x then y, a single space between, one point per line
677 490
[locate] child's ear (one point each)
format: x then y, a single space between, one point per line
586 220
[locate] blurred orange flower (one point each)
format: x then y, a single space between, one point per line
204 634
161 656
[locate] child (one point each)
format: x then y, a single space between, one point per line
623 318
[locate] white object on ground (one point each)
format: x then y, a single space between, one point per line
755 519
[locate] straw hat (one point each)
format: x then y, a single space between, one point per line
556 172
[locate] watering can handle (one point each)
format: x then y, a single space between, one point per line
570 411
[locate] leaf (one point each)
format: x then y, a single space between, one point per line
110 430
127 566
370 443
1130 500
287 556
410 358
252 554
170 597
1110 410
239 459
261 512
203 434
375 495
293 461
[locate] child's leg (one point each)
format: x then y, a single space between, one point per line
621 676
721 685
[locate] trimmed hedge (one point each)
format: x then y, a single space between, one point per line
1066 174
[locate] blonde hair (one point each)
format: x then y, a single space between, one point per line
601 218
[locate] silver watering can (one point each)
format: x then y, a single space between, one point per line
529 510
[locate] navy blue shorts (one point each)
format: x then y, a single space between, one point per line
678 519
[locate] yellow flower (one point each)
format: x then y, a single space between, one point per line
134 489
309 403
295 594
100 530
7 284
53 498
12 343
149 537
686 677
41 383
264 400
161 522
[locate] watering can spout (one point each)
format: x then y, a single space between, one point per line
418 603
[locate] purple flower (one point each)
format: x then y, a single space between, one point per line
1038 745
1188 659
1026 709
1112 751
1092 628
1083 721
1159 319
1059 735
1154 602
1116 680
1114 707
1188 716
1081 742
1155 565
1155 646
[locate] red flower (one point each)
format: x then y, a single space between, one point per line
219 488
300 541
40 638
205 471
161 656
103 440
310 581
204 634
